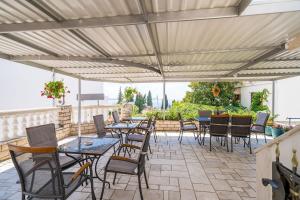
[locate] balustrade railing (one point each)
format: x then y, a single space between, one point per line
87 112
14 122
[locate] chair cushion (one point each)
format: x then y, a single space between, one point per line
67 161
257 129
122 167
136 137
189 127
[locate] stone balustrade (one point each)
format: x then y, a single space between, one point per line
87 112
14 122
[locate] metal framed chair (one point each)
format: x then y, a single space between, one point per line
260 124
219 128
154 127
140 134
116 117
123 165
204 125
241 128
100 127
41 175
45 135
186 126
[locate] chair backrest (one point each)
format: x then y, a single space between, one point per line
154 119
180 119
144 150
204 113
100 125
241 125
116 117
44 135
219 125
262 118
39 171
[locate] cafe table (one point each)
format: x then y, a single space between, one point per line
91 148
123 128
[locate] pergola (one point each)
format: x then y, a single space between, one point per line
154 40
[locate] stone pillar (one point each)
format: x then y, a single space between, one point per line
64 116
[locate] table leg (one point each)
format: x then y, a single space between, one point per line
97 158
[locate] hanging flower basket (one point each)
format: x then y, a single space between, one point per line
215 90
55 90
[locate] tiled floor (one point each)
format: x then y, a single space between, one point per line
187 172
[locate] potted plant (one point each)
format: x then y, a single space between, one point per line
129 93
55 90
269 127
277 130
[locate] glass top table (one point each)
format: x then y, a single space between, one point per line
136 119
88 146
91 149
127 126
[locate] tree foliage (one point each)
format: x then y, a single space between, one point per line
140 101
149 99
129 93
258 100
120 96
201 93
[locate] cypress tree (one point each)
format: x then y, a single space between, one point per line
149 99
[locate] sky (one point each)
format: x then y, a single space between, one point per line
20 87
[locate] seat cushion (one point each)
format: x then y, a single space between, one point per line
136 137
189 127
67 161
257 129
122 167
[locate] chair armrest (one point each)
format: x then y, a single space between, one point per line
188 122
80 170
78 173
124 159
130 146
258 125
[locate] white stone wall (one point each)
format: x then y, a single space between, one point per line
287 96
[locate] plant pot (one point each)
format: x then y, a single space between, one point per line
276 132
268 130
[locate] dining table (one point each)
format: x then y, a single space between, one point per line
135 119
91 149
124 128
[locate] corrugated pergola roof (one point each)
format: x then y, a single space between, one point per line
154 40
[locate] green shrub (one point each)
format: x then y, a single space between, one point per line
190 111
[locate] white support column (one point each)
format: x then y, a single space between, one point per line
273 97
53 79
164 99
79 107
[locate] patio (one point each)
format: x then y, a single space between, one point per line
141 41
186 171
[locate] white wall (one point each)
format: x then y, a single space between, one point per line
21 86
287 96
248 88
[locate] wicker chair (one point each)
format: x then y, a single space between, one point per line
123 165
116 117
219 128
241 128
100 127
204 125
186 126
41 176
45 136
139 135
260 124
